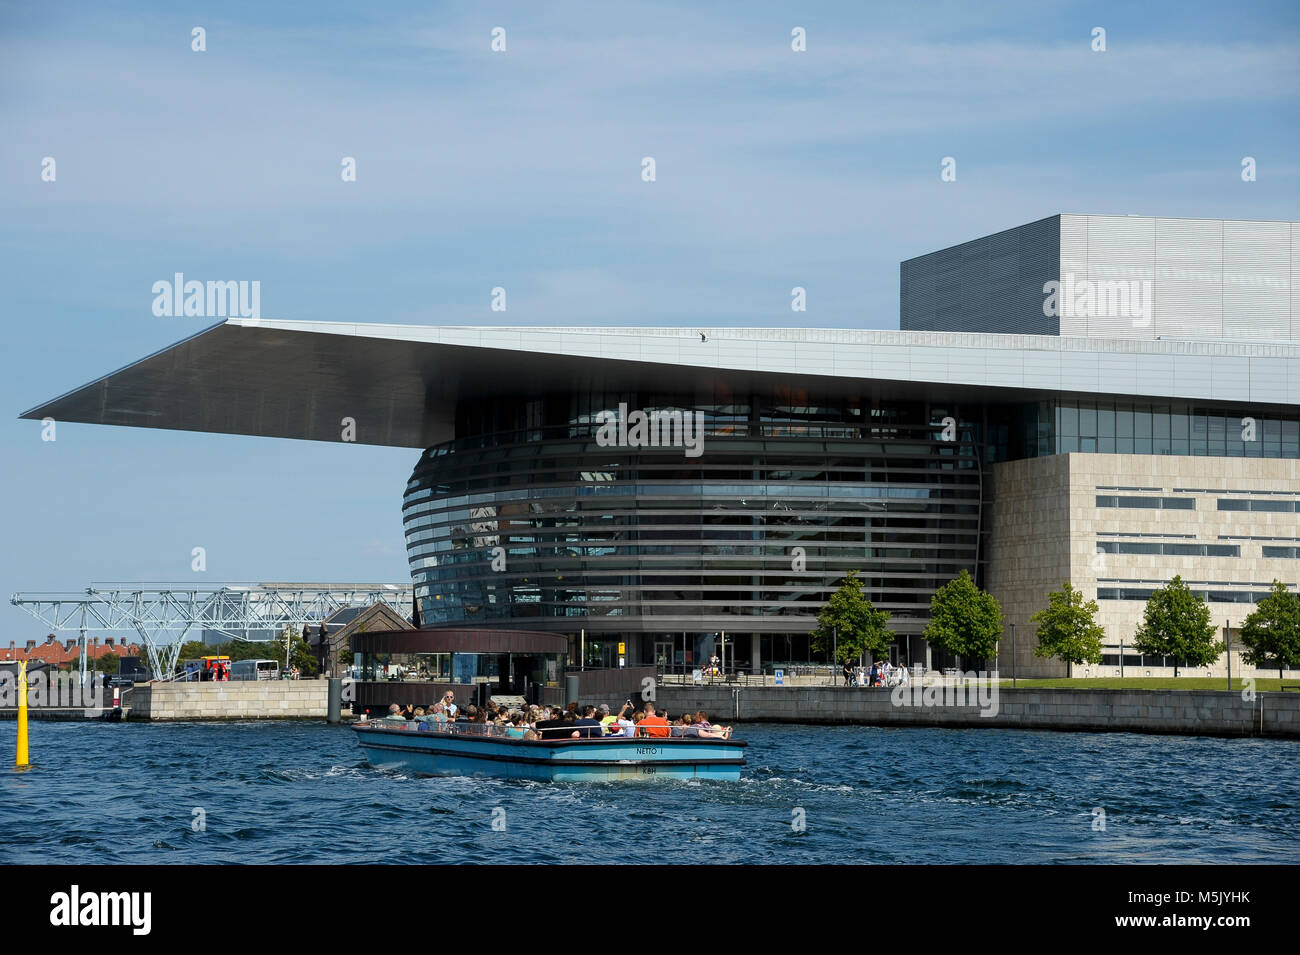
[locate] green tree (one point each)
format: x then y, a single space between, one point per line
851 624
1271 633
964 619
1176 623
240 649
300 654
193 649
1068 628
108 663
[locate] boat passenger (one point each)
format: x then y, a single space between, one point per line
530 734
610 722
708 730
607 719
587 726
551 727
395 713
516 729
685 726
626 726
435 715
449 705
653 724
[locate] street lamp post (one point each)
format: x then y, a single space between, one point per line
1227 631
1013 655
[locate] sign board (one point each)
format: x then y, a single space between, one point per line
780 678
622 649
697 676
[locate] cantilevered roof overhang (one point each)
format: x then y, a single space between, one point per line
400 383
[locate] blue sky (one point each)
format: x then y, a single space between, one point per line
522 169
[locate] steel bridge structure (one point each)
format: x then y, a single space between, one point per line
163 614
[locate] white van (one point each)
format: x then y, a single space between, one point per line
255 670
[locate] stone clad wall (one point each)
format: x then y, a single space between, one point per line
266 699
1201 713
1045 528
1186 712
1028 553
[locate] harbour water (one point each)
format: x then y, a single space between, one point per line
296 792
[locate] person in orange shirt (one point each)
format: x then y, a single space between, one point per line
653 724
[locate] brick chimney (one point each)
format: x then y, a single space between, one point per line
31 644
108 641
69 643
49 638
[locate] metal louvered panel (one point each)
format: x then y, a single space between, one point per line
1074 260
1189 278
1256 279
992 284
1116 301
1295 281
1126 277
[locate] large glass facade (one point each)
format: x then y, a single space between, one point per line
543 524
532 515
1120 427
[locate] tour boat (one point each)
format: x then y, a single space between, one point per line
459 749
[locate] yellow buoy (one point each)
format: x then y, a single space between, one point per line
20 760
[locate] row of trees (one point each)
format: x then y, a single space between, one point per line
967 621
1176 623
964 620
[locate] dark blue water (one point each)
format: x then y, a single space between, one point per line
302 792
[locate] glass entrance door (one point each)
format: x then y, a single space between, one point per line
663 655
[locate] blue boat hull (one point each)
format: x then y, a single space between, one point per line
432 753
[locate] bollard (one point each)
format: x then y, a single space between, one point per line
20 758
334 711
570 689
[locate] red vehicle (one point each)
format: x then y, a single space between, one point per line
215 669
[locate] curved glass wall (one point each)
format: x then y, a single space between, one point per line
534 515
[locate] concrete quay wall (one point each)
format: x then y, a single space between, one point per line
261 700
1186 712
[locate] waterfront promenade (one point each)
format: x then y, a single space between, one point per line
1185 712
939 702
